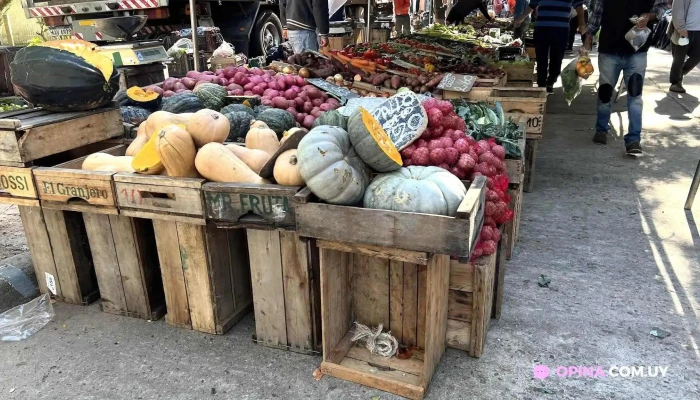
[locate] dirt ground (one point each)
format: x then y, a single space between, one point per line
12 240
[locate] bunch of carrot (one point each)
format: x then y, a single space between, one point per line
359 63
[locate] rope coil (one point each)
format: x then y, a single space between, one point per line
376 341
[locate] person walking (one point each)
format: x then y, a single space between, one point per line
518 10
401 17
305 23
616 55
551 36
684 32
465 7
573 26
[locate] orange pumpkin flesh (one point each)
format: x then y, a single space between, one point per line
379 135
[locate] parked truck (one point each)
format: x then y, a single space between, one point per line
251 26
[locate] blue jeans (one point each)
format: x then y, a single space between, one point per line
633 67
302 40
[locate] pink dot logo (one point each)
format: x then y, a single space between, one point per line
541 371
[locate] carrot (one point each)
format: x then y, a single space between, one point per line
360 61
342 58
382 67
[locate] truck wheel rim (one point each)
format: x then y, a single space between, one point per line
268 36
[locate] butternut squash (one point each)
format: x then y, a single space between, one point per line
258 124
253 158
176 151
147 161
159 119
207 126
139 141
217 163
286 171
107 162
287 134
264 139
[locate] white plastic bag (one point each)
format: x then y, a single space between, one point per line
225 50
25 320
182 45
637 37
571 81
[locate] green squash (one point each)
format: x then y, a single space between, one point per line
182 103
212 95
278 120
371 143
425 190
120 98
236 108
144 98
330 167
134 115
239 122
332 118
64 76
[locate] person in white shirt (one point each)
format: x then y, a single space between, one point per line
685 41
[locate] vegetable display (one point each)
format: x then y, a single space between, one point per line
148 98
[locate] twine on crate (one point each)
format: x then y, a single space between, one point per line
377 342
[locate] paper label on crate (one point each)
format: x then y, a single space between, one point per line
50 283
403 118
457 82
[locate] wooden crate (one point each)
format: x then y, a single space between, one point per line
286 291
470 303
339 42
126 264
529 166
205 273
527 105
17 186
516 177
28 135
399 230
499 276
518 72
141 75
481 90
405 291
530 50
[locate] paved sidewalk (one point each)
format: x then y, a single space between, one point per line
609 230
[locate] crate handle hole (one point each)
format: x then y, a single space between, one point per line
77 200
154 195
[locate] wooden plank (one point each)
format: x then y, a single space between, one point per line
460 305
483 297
39 246
160 199
422 304
514 169
17 182
396 299
410 304
336 297
414 257
530 162
221 282
233 201
159 180
240 267
459 334
340 350
66 186
106 261
389 381
268 287
171 266
164 217
197 280
533 123
371 291
461 276
19 201
499 278
436 315
10 153
297 301
411 366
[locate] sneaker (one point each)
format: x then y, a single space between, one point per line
569 51
633 148
600 138
677 88
550 90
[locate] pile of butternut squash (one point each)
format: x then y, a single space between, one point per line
191 145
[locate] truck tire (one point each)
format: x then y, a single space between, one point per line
267 32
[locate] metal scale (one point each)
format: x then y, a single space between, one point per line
126 53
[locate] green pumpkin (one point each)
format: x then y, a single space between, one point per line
212 95
240 125
425 190
278 120
134 115
236 108
182 103
371 143
121 99
144 98
330 167
332 118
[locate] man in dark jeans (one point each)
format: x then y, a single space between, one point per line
551 36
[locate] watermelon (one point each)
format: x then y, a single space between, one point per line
212 95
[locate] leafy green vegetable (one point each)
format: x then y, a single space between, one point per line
484 123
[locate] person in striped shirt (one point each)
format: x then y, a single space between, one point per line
551 36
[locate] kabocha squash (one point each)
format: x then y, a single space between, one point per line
277 120
253 158
120 98
147 99
217 163
286 171
139 141
176 151
262 139
146 160
64 76
427 190
108 163
239 125
159 119
371 143
134 115
207 126
332 118
182 103
212 95
330 167
238 108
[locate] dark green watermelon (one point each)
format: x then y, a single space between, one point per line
60 80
